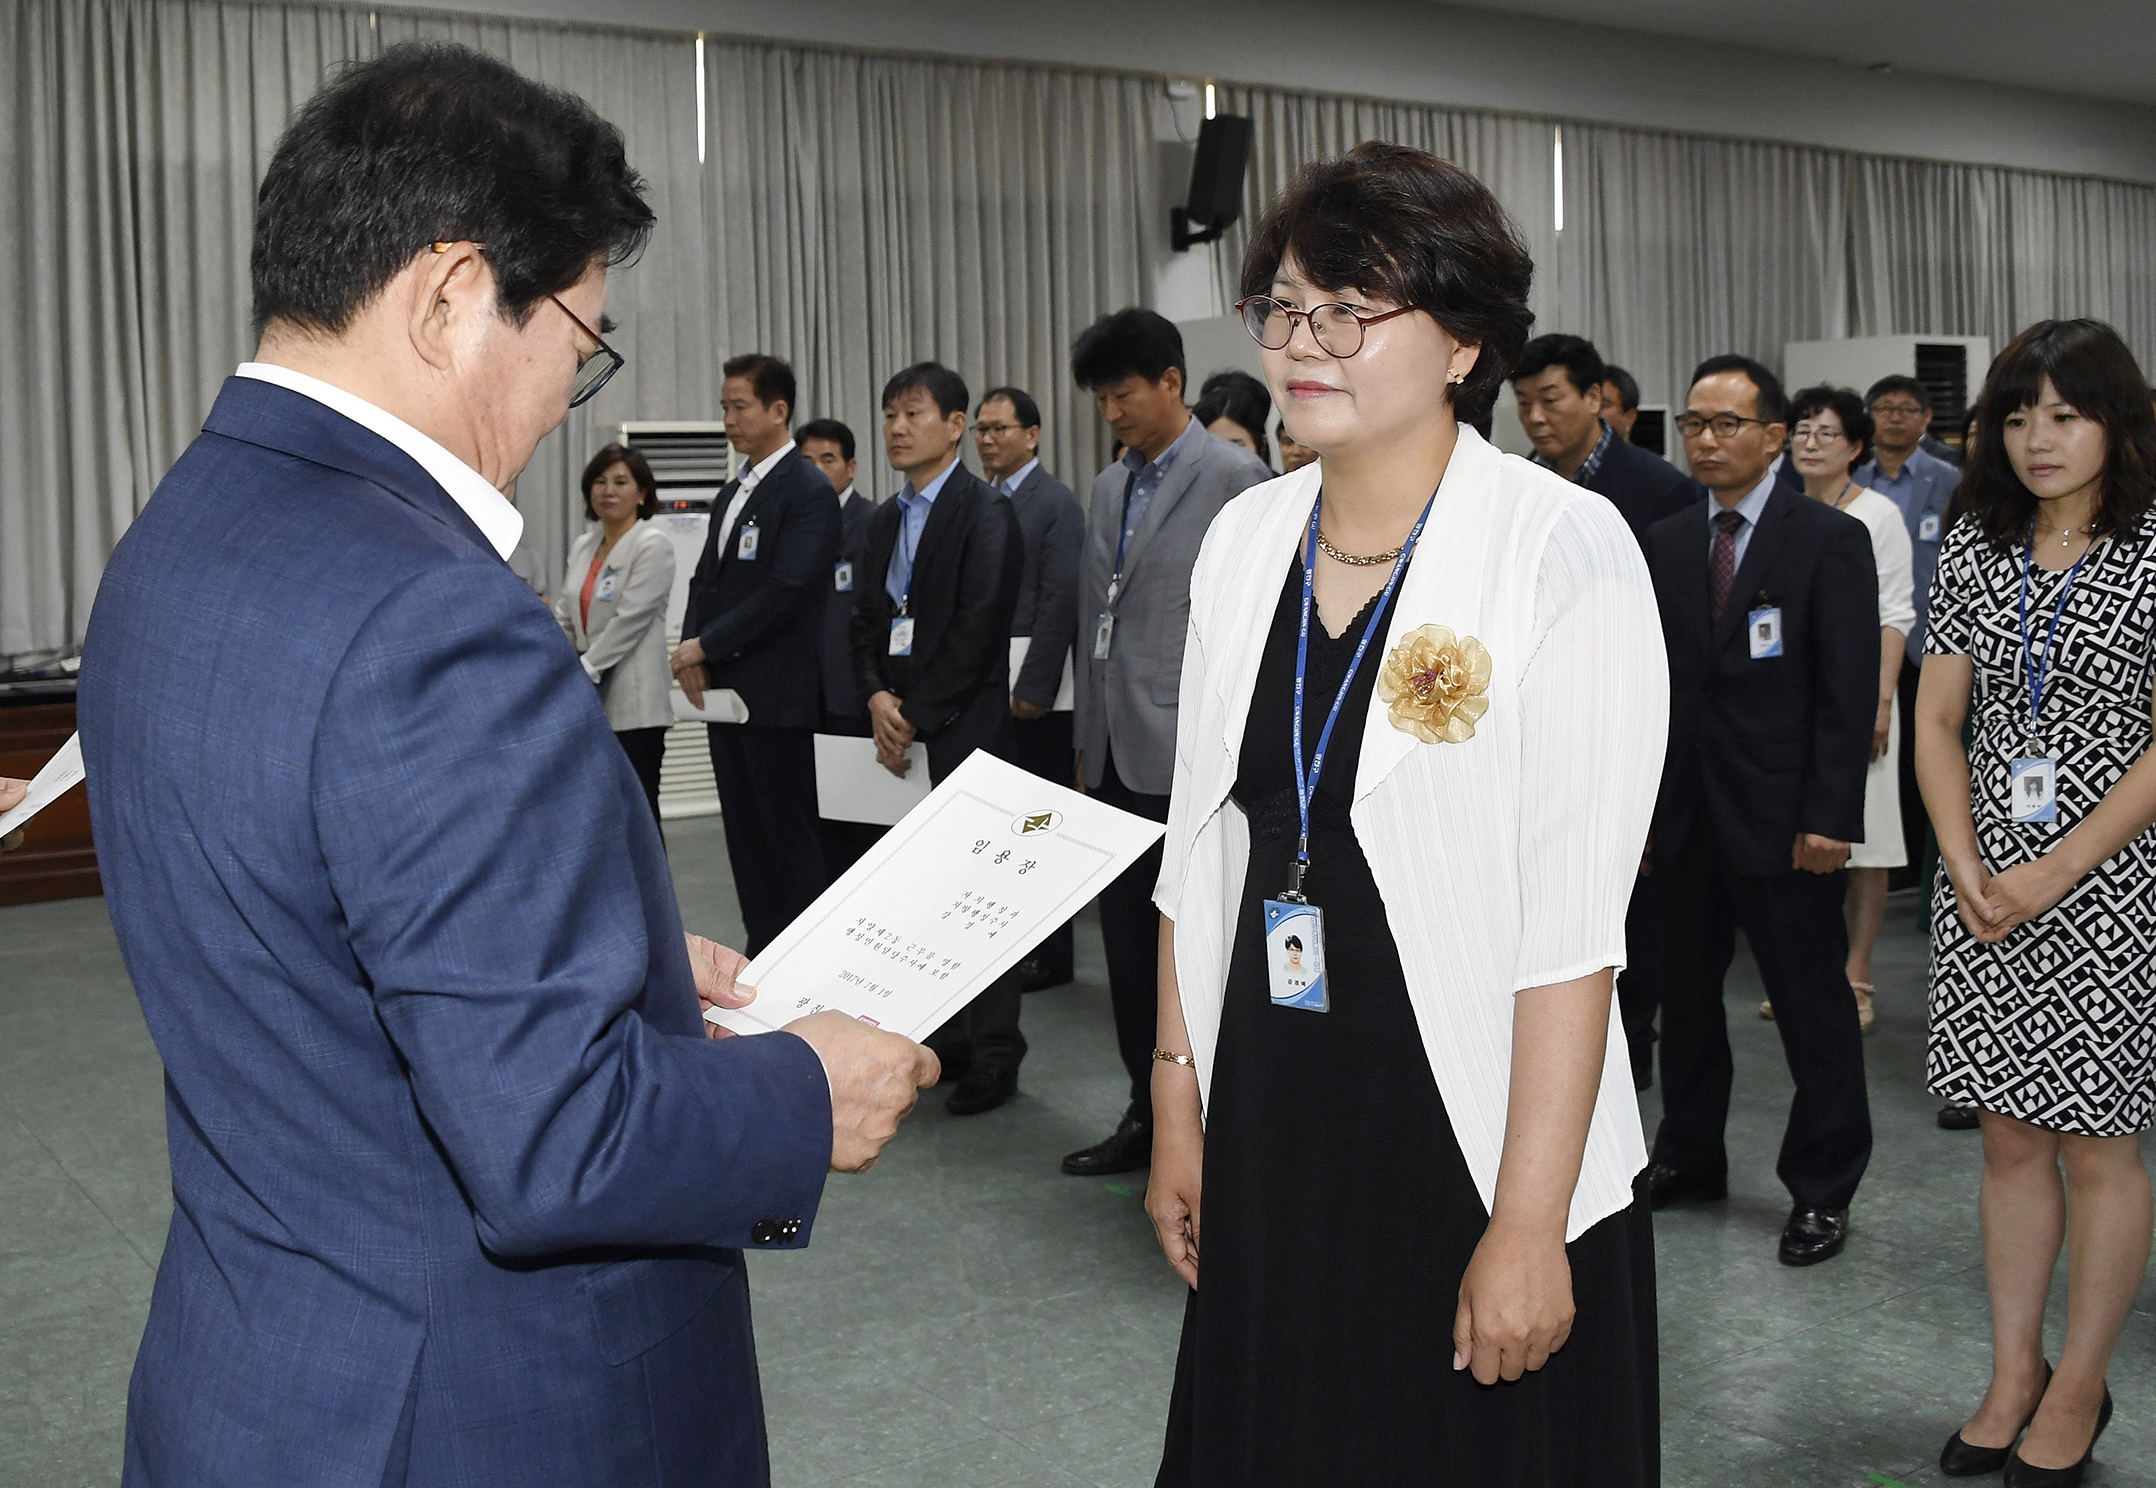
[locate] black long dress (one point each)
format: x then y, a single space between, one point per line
1339 1214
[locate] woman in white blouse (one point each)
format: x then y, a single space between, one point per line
612 605
1831 436
1408 1138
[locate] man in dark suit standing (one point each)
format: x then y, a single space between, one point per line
931 655
1770 614
829 445
1560 388
1037 737
754 623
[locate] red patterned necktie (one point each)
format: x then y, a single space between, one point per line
1722 566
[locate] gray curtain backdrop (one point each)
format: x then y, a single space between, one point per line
856 212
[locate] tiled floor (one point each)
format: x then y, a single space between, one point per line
971 1318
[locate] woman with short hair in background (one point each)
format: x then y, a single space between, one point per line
613 607
2043 992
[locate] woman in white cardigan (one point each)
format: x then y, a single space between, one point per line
1407 1126
613 607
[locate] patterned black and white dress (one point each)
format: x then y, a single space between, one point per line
2056 1024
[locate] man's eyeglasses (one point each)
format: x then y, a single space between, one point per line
1725 425
1898 410
996 430
592 369
1337 328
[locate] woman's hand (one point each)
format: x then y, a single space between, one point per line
1882 725
715 967
1972 898
2021 893
1171 1195
1515 1304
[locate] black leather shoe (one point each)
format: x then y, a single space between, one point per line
1958 1118
1665 1185
1957 1459
1129 1149
2020 1475
1813 1235
985 1087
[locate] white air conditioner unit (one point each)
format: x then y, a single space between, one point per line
690 460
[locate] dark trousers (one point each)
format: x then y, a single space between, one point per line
1043 746
646 748
1639 985
767 792
1130 936
1793 922
984 1033
844 842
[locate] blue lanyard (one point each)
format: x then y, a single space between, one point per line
1306 782
2033 666
905 597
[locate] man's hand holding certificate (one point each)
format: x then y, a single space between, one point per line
950 899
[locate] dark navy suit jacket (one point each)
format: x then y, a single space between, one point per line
761 619
459 1187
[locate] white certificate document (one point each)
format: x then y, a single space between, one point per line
61 772
948 901
853 786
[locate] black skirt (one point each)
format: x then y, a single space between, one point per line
1338 1214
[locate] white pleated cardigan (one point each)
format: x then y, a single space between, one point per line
1505 861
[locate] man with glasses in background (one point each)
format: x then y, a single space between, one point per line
1770 614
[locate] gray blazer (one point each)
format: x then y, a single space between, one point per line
1126 704
1053 528
624 650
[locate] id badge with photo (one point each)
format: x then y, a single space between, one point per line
1295 954
606 587
745 550
2033 789
842 576
902 636
1763 630
1927 527
1103 635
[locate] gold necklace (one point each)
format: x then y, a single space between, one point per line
1350 559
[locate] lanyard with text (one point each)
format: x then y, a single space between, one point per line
1294 927
902 622
2032 781
1104 626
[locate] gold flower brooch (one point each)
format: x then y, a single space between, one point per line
1436 684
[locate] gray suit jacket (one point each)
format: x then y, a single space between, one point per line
624 649
1127 703
1053 527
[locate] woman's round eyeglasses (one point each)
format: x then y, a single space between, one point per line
592 369
1337 328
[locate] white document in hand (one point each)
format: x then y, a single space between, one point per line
852 785
948 901
62 771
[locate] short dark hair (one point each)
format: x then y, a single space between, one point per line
1626 384
769 378
1770 403
1845 405
1114 347
432 142
1021 401
1241 397
1583 365
934 379
2091 369
1401 223
1897 382
608 457
831 431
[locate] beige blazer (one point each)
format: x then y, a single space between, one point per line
624 650
1505 861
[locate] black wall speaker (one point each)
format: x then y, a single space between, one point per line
1216 181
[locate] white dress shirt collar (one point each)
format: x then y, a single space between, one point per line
753 477
1009 485
499 522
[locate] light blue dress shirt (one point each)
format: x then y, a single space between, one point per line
912 517
1148 476
1922 488
1019 477
1754 502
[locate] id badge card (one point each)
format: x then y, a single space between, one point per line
606 586
1763 629
1927 527
1295 954
745 549
1103 635
2033 788
902 636
842 577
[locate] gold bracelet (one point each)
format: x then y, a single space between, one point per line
1183 1059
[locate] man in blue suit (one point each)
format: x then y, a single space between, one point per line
460 1189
